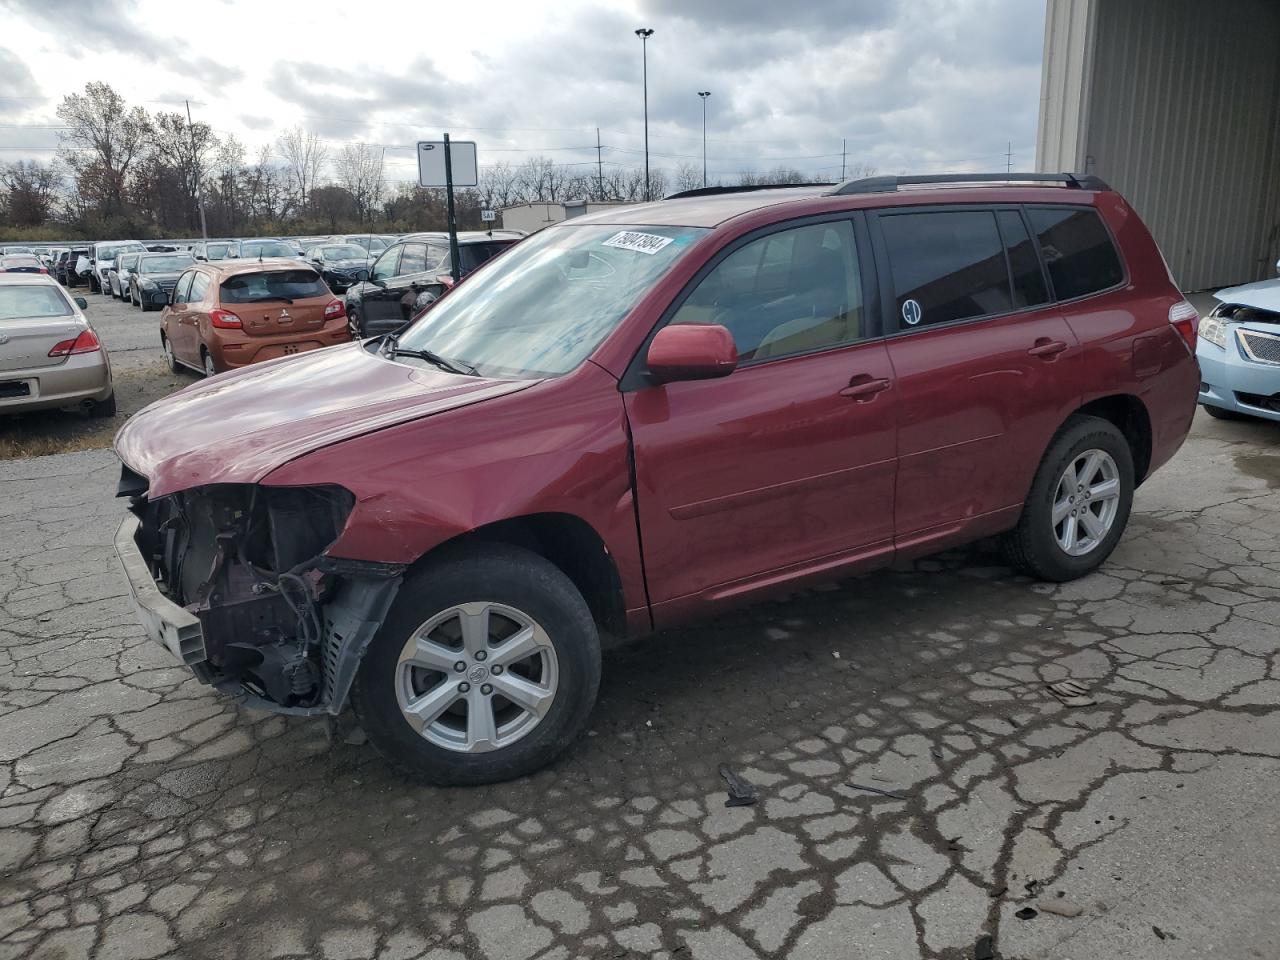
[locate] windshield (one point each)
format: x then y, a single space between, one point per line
172 264
217 251
18 301
542 308
273 285
250 249
111 250
343 251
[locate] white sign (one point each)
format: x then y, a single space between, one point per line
431 163
488 216
649 243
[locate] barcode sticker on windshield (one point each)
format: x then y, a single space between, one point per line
649 243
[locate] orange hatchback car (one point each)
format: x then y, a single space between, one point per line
233 313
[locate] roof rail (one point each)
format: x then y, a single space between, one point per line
716 191
889 184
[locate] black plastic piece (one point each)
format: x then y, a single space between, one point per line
717 191
889 184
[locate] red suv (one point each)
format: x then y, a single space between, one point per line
641 416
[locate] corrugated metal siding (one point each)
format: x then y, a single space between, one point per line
1182 118
1064 80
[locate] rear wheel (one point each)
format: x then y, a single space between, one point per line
1079 503
169 358
485 669
353 323
1222 413
206 361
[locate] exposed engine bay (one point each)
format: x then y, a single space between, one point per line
282 626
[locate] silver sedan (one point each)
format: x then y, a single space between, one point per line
50 355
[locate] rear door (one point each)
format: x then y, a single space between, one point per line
986 366
33 318
785 466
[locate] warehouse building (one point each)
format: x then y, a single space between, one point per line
531 217
1176 104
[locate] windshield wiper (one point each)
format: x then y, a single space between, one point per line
461 367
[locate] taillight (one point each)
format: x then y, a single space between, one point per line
44 269
334 309
225 320
1185 319
87 342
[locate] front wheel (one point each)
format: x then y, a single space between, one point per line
485 669
1079 503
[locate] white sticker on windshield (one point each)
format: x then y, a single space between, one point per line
649 243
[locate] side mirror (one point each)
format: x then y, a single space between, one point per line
362 276
692 351
82 303
1278 266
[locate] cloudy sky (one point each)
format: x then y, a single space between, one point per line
911 85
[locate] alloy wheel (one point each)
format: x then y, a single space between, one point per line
209 369
1085 502
476 677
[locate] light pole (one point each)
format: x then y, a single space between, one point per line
704 94
644 33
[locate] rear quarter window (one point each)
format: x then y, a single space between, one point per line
1077 249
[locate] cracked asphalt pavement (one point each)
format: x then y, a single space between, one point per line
141 815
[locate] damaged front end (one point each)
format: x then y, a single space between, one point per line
245 594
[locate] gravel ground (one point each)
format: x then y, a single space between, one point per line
142 815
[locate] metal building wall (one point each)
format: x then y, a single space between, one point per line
1180 111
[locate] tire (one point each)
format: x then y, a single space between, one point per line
206 362
167 347
1222 413
353 324
104 408
1035 545
524 585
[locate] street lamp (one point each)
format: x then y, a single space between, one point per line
704 94
644 33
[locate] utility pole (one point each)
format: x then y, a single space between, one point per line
644 33
204 230
844 153
599 168
1008 159
704 94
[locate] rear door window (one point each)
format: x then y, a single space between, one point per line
1077 250
273 285
946 265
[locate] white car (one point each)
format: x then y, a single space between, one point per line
1238 349
118 276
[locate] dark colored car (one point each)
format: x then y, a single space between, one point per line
263 247
412 273
648 414
21 263
340 264
64 268
154 278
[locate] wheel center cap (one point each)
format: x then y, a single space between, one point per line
478 673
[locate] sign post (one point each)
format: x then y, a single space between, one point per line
444 164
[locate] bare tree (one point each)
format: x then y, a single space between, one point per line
360 173
186 150
30 189
103 141
687 176
304 157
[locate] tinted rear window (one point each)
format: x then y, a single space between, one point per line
946 265
273 285
1077 250
1028 282
471 255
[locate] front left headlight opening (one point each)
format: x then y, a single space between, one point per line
1213 330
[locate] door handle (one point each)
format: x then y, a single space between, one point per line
1047 349
863 387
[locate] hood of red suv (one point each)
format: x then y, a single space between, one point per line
239 426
